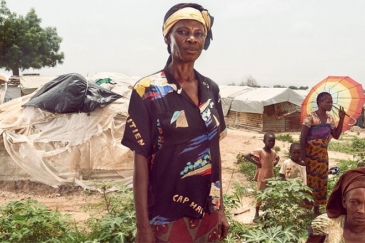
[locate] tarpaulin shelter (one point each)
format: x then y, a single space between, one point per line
66 148
30 83
263 109
8 90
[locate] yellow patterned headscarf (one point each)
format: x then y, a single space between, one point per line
187 13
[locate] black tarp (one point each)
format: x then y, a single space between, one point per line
71 93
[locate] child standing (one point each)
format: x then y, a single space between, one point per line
265 159
294 167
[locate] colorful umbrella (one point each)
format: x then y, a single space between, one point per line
345 92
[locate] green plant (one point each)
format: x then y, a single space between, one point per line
243 190
332 179
275 234
246 167
283 204
285 138
31 221
340 146
360 158
113 219
358 144
349 146
345 165
277 149
233 201
236 231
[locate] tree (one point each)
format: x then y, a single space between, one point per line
279 86
292 87
250 81
25 44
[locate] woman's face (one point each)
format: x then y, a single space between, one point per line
186 40
326 103
354 203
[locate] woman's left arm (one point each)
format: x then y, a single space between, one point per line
223 224
336 132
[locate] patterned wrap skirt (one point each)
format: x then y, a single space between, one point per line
317 170
188 230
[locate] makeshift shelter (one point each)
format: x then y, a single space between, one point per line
30 83
3 88
8 89
263 109
66 148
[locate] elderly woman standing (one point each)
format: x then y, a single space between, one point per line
317 129
345 218
174 126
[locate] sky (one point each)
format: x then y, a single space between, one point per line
277 42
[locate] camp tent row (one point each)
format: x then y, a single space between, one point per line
262 109
77 148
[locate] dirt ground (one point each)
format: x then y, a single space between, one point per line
69 199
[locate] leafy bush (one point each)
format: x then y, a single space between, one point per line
353 146
358 144
345 165
237 229
277 149
118 224
246 167
31 221
343 147
360 157
274 234
283 204
285 138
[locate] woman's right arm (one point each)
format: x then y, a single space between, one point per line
314 238
140 191
303 138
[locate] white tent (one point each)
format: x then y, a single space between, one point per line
228 93
302 92
262 109
70 148
254 100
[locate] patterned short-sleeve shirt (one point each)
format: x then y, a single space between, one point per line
181 141
313 119
317 129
